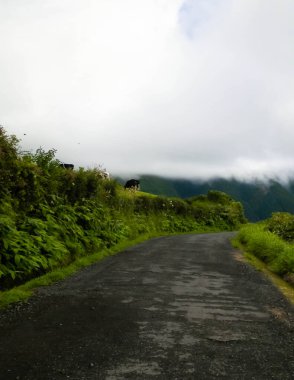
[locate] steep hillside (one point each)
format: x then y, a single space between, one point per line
259 198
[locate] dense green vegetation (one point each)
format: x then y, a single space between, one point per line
259 198
272 241
51 216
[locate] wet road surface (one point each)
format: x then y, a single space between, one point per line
181 307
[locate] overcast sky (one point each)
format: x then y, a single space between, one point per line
181 88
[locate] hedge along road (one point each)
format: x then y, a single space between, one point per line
180 307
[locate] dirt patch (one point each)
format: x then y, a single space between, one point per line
281 315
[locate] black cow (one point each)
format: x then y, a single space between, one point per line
67 166
133 184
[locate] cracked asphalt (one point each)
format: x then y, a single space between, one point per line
179 307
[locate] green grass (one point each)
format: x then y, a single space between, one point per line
131 194
270 253
268 247
286 288
25 291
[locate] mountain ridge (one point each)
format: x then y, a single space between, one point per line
260 198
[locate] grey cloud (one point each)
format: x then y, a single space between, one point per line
178 88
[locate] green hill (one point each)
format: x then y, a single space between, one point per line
259 198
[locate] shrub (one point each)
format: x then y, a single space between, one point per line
8 161
218 197
267 246
50 215
282 224
284 262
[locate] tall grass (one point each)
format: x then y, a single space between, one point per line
269 247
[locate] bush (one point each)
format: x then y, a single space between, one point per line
284 262
267 246
282 224
8 161
218 197
50 215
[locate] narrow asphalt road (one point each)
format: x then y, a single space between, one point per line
181 307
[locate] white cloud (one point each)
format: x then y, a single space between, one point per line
173 87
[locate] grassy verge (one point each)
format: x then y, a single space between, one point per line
269 253
268 247
286 288
25 291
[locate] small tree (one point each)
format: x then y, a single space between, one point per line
8 160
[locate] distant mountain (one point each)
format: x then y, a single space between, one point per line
259 198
